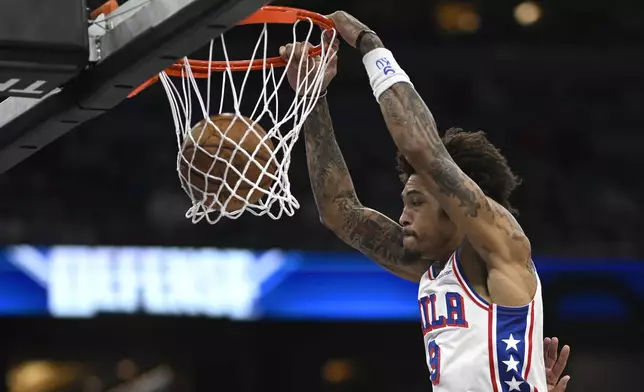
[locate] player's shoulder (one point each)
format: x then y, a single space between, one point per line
507 218
517 245
503 213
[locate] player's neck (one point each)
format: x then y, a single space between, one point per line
463 251
466 252
440 262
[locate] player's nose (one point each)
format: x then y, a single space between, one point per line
404 219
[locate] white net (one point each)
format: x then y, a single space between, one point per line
233 180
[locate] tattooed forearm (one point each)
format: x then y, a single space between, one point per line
369 42
366 230
327 170
414 131
370 232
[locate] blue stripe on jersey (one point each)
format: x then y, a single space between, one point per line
511 326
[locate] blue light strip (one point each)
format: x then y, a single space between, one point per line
68 281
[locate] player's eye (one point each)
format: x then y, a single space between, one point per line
416 202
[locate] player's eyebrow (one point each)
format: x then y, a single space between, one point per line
410 192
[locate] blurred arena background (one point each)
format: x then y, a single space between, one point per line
105 286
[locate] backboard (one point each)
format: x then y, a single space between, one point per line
146 36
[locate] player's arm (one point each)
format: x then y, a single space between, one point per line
366 230
490 228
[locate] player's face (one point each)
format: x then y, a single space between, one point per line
427 230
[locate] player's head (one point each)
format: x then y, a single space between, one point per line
427 230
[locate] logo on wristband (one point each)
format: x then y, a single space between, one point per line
385 66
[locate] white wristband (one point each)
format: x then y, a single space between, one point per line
383 71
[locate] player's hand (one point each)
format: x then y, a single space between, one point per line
555 363
348 27
310 65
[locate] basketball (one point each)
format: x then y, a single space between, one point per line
227 139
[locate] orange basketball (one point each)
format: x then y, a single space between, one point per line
209 141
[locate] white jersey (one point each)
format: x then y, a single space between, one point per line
474 346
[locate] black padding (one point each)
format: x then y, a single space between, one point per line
44 41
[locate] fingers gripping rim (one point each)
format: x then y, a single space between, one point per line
268 14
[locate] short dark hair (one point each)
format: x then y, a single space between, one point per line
480 160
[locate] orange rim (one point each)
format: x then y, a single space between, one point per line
267 14
106 9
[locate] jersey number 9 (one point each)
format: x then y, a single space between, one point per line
434 362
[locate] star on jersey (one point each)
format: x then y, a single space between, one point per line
511 343
514 384
511 364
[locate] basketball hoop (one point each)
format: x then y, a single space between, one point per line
277 200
